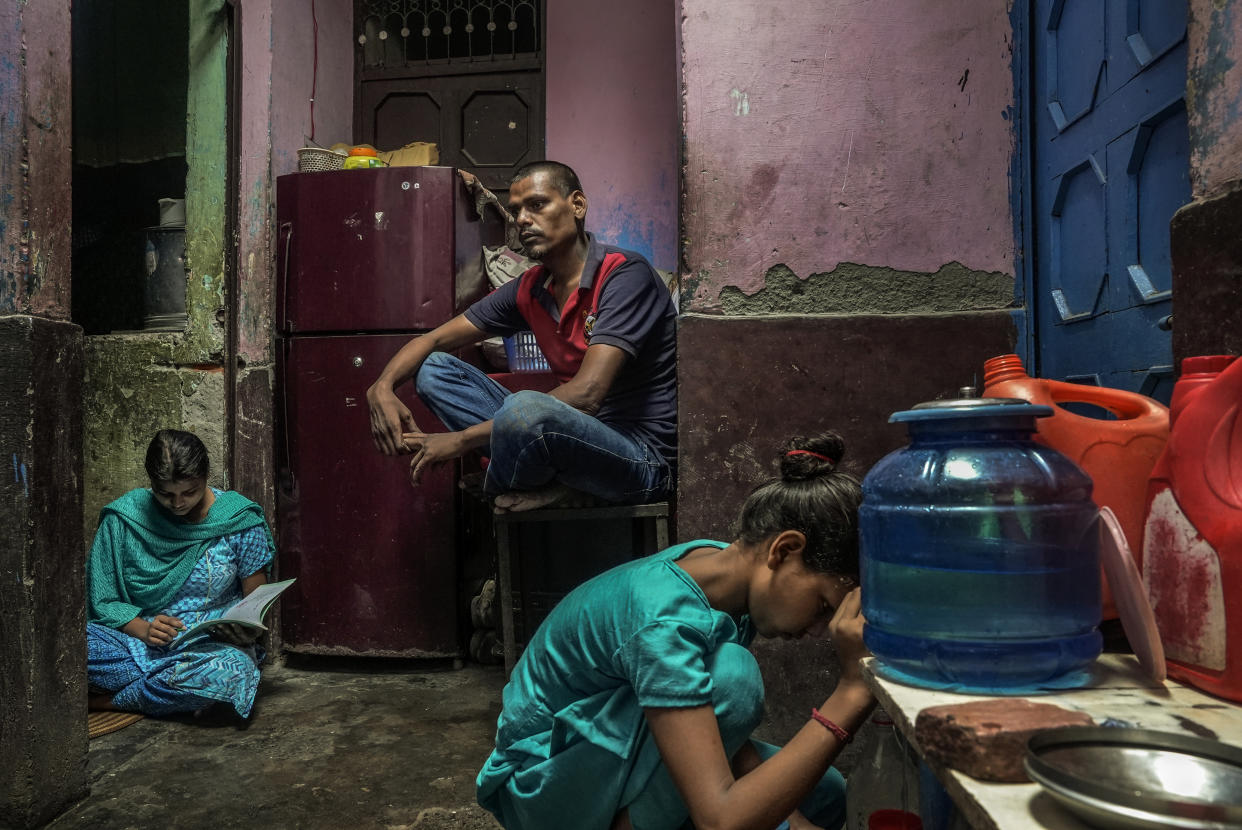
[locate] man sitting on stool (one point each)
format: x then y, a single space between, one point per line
606 324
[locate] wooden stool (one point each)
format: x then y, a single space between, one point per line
529 538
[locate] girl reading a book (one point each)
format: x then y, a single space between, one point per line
164 559
633 703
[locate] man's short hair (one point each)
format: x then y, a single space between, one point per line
563 177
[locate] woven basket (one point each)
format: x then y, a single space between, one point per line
317 160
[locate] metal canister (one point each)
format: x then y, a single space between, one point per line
166 275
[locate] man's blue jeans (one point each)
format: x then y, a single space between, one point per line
538 440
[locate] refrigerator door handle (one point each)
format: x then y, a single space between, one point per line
286 228
286 347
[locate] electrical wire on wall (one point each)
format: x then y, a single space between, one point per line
314 68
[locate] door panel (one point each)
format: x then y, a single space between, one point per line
374 556
487 123
372 249
1110 165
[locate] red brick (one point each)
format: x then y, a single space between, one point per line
986 739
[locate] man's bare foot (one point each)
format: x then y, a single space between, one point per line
524 500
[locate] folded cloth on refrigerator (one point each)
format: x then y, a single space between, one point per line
484 200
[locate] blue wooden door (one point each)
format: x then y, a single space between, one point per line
1109 166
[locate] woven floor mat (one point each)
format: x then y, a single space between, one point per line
101 723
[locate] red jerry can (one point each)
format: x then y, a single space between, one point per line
1192 544
1118 455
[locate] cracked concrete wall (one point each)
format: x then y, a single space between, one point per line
879 135
1203 236
43 650
847 212
858 289
138 383
1214 96
35 107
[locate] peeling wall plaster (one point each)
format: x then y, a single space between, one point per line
1214 95
819 134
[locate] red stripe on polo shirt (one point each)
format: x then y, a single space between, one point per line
564 344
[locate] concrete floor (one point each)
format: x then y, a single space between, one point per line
355 744
330 744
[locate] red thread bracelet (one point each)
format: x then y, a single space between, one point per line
841 734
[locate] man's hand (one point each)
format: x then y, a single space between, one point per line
431 448
389 419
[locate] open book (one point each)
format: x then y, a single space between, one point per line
249 611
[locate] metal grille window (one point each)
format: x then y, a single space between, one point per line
396 33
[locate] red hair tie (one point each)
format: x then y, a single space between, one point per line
832 461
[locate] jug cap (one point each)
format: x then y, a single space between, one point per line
968 405
1208 364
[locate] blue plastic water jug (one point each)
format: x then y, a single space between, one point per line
980 560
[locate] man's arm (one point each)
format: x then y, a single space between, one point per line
389 416
586 390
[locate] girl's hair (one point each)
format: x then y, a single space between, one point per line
812 496
175 455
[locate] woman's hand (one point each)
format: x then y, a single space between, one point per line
161 630
846 631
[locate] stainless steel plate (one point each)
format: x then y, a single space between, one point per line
1117 777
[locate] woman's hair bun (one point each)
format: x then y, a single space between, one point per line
806 458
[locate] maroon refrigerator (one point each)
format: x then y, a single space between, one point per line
366 260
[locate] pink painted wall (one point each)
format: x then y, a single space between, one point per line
612 115
826 132
278 45
1214 96
255 260
293 45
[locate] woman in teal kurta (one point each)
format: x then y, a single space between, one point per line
633 704
164 559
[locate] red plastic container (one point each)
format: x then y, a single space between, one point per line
1192 546
1118 455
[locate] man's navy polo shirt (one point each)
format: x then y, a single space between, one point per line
632 311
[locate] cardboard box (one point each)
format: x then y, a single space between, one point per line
415 154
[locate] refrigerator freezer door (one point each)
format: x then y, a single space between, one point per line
374 249
374 557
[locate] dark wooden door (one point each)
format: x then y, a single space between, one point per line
489 123
466 76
